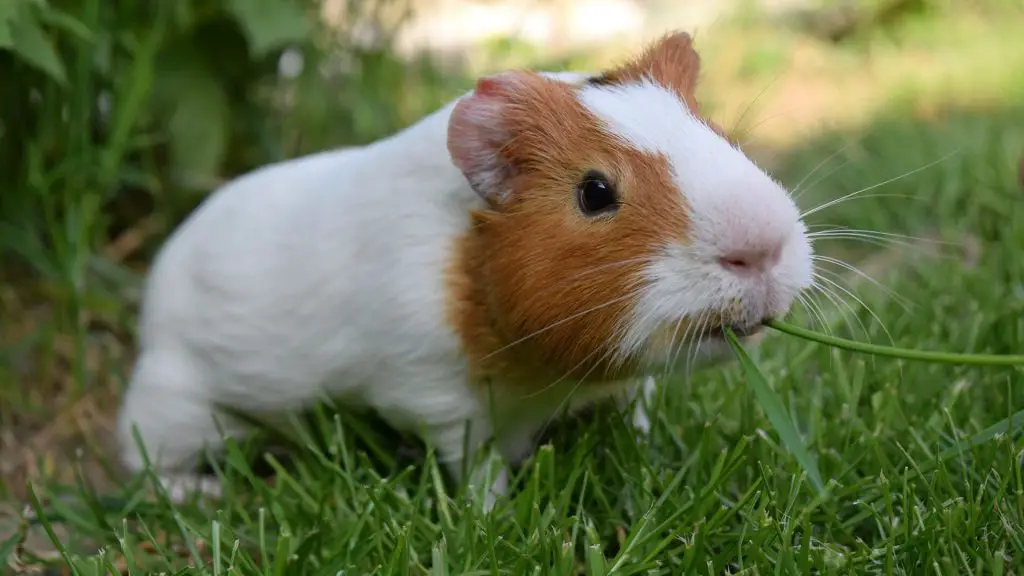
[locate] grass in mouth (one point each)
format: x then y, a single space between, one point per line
893 352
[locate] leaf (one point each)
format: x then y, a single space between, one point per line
60 19
22 241
198 124
30 42
269 24
776 412
8 10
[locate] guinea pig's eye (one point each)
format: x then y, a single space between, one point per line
596 195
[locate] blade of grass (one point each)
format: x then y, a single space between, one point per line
7 547
776 412
48 528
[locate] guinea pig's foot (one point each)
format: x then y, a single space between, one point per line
493 483
634 403
182 487
641 422
499 487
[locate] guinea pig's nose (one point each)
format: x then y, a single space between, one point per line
749 262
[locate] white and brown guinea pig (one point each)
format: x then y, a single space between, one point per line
543 242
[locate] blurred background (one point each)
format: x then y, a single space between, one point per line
118 116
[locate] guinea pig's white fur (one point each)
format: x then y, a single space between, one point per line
325 276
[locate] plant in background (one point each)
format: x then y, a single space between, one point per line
114 115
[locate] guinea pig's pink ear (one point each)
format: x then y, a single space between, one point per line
479 129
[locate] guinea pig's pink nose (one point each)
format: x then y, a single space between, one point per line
748 262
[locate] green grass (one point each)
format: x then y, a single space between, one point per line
916 479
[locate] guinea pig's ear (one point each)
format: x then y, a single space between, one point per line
479 129
670 61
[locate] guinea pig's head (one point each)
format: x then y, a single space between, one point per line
623 230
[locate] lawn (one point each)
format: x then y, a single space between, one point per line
922 122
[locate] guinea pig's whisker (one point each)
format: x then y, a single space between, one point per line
841 306
797 190
572 391
705 328
563 376
835 278
814 297
593 269
866 307
856 193
819 180
694 351
840 287
687 345
863 304
760 123
675 346
691 343
858 196
569 318
882 242
890 241
692 331
875 237
801 300
903 302
750 106
842 230
633 345
814 310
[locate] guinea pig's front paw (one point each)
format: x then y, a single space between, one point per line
486 490
641 422
635 403
180 487
498 488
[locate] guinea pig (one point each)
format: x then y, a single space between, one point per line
542 243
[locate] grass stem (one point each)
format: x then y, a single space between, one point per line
904 353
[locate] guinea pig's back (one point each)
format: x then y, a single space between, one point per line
322 268
243 279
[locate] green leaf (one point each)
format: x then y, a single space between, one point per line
199 121
60 19
776 412
7 12
29 41
269 24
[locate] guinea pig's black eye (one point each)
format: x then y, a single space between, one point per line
596 195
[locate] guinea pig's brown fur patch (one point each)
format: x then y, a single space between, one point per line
537 289
671 62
